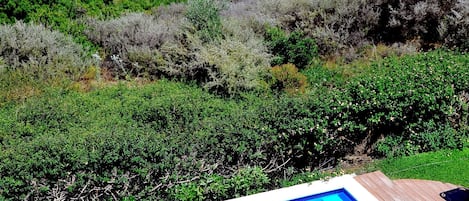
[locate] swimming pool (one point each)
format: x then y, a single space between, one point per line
342 188
336 195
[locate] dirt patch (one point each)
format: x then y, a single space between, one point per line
362 153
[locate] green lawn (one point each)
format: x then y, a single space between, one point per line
447 166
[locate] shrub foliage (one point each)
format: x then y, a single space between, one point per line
204 15
167 140
172 141
294 48
41 53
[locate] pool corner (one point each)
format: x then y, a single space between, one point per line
346 182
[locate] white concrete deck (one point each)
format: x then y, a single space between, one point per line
302 190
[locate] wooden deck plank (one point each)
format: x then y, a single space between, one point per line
408 188
385 189
381 186
429 190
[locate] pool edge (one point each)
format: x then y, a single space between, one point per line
346 182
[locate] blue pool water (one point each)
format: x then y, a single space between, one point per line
336 195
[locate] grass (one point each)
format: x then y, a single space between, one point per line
446 166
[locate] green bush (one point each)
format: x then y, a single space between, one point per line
244 182
59 13
143 142
412 98
204 15
310 176
168 140
125 142
294 48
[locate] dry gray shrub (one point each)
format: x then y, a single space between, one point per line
416 19
259 13
433 22
2 64
170 12
236 64
41 53
250 13
165 45
454 28
336 25
182 59
135 39
134 29
246 9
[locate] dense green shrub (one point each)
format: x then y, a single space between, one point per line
168 140
122 142
41 53
215 187
142 142
320 76
204 15
59 13
294 48
412 98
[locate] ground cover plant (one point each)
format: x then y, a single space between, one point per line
167 139
210 100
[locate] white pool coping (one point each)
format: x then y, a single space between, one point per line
316 187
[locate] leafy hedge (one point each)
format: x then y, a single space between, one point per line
172 141
294 48
412 98
125 142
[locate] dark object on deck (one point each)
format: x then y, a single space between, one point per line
457 194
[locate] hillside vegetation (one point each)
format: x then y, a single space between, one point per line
210 100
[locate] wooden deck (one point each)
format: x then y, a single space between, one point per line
385 189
